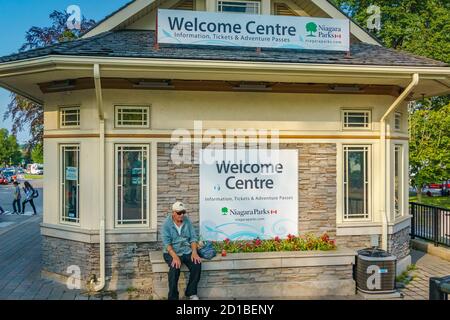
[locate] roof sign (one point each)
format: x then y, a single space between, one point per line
245 30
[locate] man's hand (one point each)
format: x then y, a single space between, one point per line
195 257
176 262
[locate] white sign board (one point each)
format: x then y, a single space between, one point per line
246 30
72 173
243 197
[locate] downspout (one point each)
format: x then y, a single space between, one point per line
99 99
383 153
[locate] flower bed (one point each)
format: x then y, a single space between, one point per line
291 243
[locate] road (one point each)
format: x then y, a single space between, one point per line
7 197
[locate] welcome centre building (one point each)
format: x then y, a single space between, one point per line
294 72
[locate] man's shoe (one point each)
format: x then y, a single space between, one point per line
194 297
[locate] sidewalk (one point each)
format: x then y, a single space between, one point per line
20 265
427 266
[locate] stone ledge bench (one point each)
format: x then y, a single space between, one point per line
266 275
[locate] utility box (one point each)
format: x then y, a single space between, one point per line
375 271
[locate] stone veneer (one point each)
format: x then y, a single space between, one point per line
127 264
266 275
399 243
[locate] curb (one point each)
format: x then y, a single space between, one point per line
430 248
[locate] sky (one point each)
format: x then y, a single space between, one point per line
16 17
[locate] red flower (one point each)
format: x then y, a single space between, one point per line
257 242
227 241
290 236
277 239
333 242
224 253
325 237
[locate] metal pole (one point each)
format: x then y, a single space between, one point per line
413 222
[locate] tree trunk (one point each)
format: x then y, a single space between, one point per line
419 195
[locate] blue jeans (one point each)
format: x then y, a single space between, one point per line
174 275
18 205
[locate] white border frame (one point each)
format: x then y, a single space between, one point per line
148 185
61 175
128 106
400 128
401 180
68 108
340 180
369 123
241 1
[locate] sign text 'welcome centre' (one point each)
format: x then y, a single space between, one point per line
245 30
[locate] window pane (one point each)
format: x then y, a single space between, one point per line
356 183
397 180
132 116
70 183
70 117
250 7
356 119
131 185
397 121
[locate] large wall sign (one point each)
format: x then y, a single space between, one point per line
245 30
246 196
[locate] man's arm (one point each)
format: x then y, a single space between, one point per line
194 245
167 243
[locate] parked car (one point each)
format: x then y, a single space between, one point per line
3 180
432 191
37 168
9 175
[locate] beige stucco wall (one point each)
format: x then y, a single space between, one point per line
298 115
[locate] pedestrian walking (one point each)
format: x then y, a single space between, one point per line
30 194
17 197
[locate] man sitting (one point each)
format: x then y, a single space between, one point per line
180 246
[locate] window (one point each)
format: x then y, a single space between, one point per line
356 182
69 117
356 119
231 6
398 180
131 184
127 116
398 121
70 182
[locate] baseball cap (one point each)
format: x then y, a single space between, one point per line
178 207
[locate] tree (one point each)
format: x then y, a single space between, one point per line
420 27
9 149
21 111
311 27
429 148
37 154
416 26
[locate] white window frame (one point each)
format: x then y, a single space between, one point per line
398 116
62 175
62 112
218 5
345 126
367 183
398 213
116 187
118 108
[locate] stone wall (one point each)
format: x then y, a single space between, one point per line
356 242
271 274
399 243
127 264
